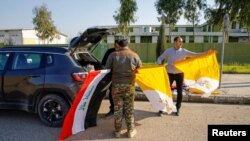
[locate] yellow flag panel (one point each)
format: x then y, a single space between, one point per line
201 73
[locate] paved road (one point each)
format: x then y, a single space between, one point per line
22 126
190 125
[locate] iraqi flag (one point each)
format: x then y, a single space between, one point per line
83 111
201 73
154 82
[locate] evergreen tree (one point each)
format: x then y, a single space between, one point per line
238 10
192 11
43 22
161 42
125 15
172 10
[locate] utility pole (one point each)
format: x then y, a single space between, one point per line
224 34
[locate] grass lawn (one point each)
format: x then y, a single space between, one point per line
236 68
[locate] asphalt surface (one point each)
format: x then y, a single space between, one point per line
231 106
191 125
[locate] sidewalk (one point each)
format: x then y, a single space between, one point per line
235 89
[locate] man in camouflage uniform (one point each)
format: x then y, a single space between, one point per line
123 64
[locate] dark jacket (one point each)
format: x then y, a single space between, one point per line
106 55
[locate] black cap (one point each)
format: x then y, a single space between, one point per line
123 43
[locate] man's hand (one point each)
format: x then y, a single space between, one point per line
210 51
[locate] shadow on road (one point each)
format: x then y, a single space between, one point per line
105 127
20 125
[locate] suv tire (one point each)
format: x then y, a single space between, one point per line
52 110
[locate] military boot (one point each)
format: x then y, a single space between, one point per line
132 133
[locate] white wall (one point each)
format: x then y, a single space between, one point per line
137 39
198 39
26 36
11 37
154 39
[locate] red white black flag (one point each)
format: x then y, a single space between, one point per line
83 112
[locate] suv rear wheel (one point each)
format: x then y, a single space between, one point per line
52 110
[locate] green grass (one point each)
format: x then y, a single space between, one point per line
236 68
148 64
227 68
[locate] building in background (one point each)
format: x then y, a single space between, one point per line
203 33
26 37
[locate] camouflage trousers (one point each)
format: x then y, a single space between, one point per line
123 96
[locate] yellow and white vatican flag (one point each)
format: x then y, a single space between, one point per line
201 73
154 83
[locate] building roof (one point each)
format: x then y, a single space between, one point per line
21 29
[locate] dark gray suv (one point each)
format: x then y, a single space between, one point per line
45 80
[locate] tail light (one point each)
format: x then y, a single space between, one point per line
80 76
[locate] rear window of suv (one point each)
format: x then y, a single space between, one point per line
3 60
26 61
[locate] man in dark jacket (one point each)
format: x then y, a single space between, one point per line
104 60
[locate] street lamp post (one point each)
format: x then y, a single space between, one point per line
224 33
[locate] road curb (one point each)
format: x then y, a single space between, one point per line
211 99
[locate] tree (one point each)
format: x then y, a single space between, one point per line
125 16
192 11
238 10
172 9
161 42
44 24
